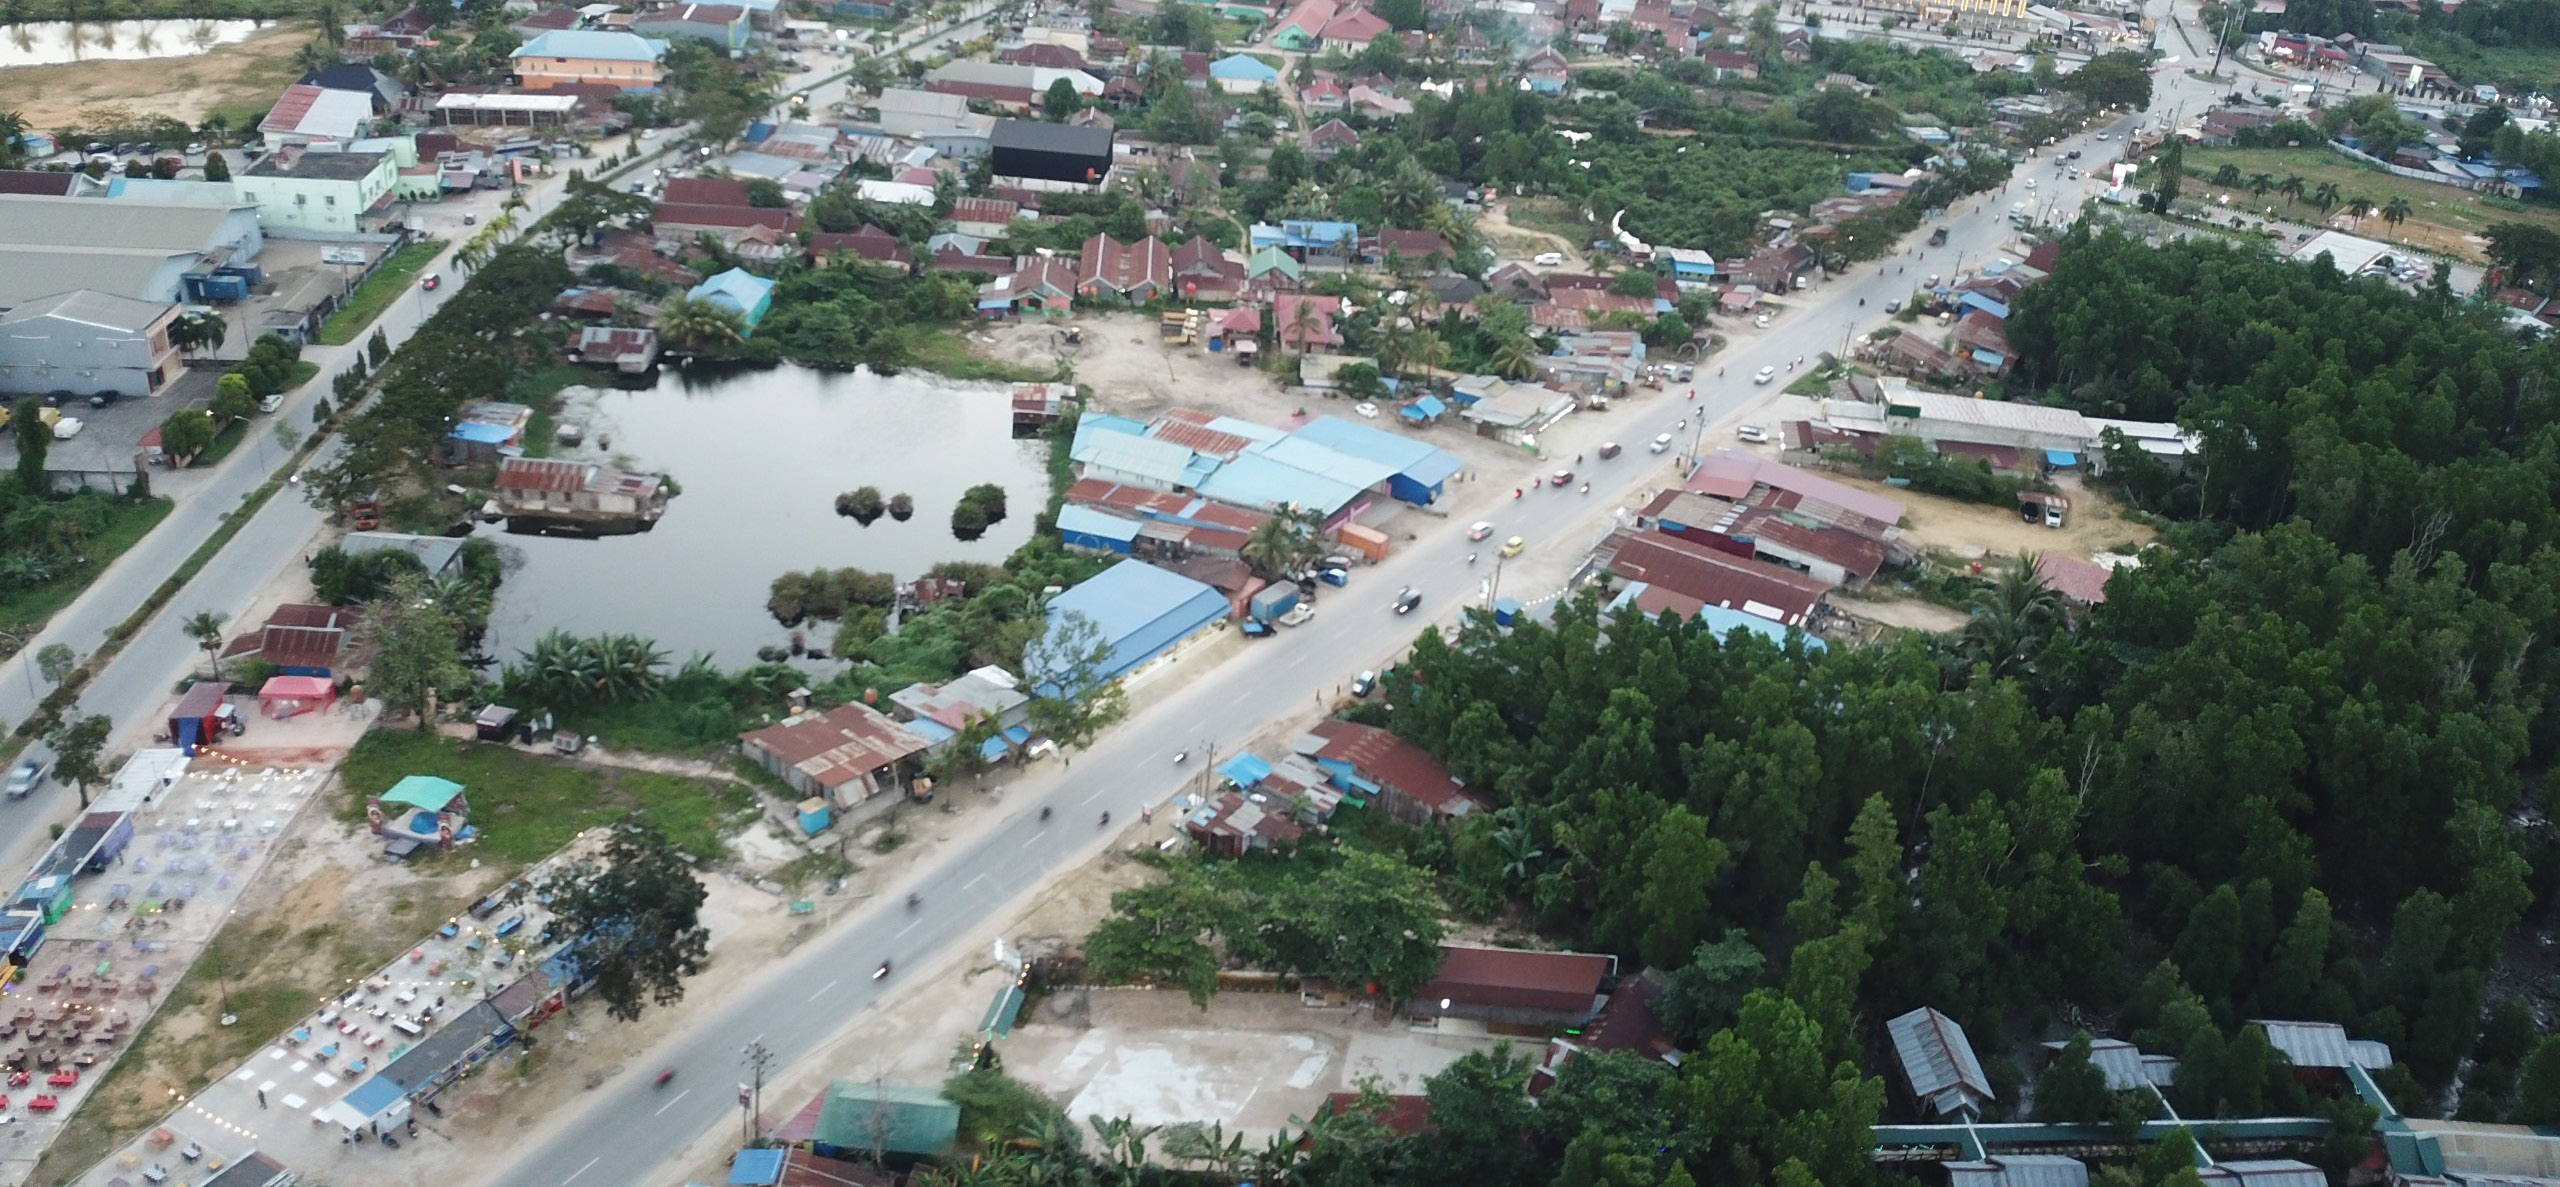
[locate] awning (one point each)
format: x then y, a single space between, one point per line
1002 1012
2061 458
296 688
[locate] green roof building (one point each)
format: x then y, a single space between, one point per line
898 1118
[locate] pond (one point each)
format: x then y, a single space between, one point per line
49 43
759 457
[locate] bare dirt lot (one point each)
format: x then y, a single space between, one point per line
239 80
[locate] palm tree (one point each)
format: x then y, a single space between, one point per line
12 125
314 56
2396 212
1516 357
205 627
2359 207
1409 194
2260 183
2291 188
2011 618
693 323
1280 545
2228 176
2325 195
1303 321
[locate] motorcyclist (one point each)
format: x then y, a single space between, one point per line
1106 819
1471 558
1044 813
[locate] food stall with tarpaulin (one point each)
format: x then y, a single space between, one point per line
421 810
283 697
197 720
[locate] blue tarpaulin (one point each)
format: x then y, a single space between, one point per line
2061 459
472 430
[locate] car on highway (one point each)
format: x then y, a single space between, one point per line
1753 434
2073 155
25 777
1609 449
431 281
1893 306
1407 598
1364 683
1479 530
1512 546
1562 478
1766 374
1660 443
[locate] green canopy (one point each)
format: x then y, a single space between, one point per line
423 791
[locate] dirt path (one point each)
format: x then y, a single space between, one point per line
241 80
1507 237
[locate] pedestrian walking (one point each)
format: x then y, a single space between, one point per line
262 1098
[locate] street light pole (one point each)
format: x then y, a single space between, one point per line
758 1058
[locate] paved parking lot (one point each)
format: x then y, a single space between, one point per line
109 436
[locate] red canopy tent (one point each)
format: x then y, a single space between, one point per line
284 696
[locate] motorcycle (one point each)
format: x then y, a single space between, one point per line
666 1075
1471 558
1586 488
1515 492
880 972
1044 814
1179 756
1105 822
914 900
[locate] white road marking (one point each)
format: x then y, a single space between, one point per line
972 883
1030 841
823 992
902 933
1097 794
671 1103
573 1175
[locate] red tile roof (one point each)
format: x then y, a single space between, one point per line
1125 267
2079 580
681 214
1561 982
1402 1114
983 210
705 191
870 243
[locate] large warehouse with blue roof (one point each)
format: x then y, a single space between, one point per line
1142 612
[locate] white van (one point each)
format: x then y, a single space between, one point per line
1548 259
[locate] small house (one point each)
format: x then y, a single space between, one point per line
1938 1066
849 754
549 496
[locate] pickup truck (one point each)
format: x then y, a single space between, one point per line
1938 238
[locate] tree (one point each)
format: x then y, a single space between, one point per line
2012 617
632 918
2523 249
1371 920
79 745
1282 546
1079 695
417 648
1480 1120
13 124
377 349
231 399
217 167
2121 78
205 627
2397 211
696 323
766 192
1060 101
2072 1090
56 662
2538 1086
34 438
2173 170
187 432
1681 862
1704 995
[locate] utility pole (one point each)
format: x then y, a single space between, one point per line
758 1057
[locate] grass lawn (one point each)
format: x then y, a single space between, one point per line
2513 67
127 523
538 391
2441 215
377 293
1551 216
945 351
528 806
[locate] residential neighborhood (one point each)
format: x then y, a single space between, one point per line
1413 592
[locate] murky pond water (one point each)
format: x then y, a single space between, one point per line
759 457
48 43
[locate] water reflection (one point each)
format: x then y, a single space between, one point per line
49 43
759 457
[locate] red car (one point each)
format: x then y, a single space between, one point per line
1563 477
431 282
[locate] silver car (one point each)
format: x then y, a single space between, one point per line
24 778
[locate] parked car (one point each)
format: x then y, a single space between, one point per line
1512 546
1479 530
196 149
273 401
1893 306
67 428
1548 259
1766 374
2052 516
1761 322
1660 443
1255 628
1334 576
25 777
1299 615
1363 683
1753 434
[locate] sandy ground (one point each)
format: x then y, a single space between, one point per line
246 75
1519 244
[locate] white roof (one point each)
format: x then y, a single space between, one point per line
333 114
106 311
1996 414
897 192
563 104
2349 252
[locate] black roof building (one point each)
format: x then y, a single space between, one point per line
1051 152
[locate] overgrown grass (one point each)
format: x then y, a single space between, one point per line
377 293
2458 211
128 522
540 391
528 806
945 351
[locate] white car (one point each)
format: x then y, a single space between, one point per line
2031 183
1660 443
1766 374
1753 434
1366 409
67 428
1548 259
1479 530
1761 322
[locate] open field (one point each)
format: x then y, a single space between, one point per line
127 523
2443 218
240 81
529 806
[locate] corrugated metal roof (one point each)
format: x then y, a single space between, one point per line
1085 521
2309 1044
1937 1061
2278 1172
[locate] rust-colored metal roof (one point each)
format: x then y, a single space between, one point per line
542 474
839 745
1564 982
1395 764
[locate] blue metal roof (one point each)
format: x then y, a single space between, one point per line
1243 66
487 434
1256 480
1146 458
1140 610
1306 452
1425 407
756 1168
595 44
374 1095
1079 520
1985 304
1245 770
1361 441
